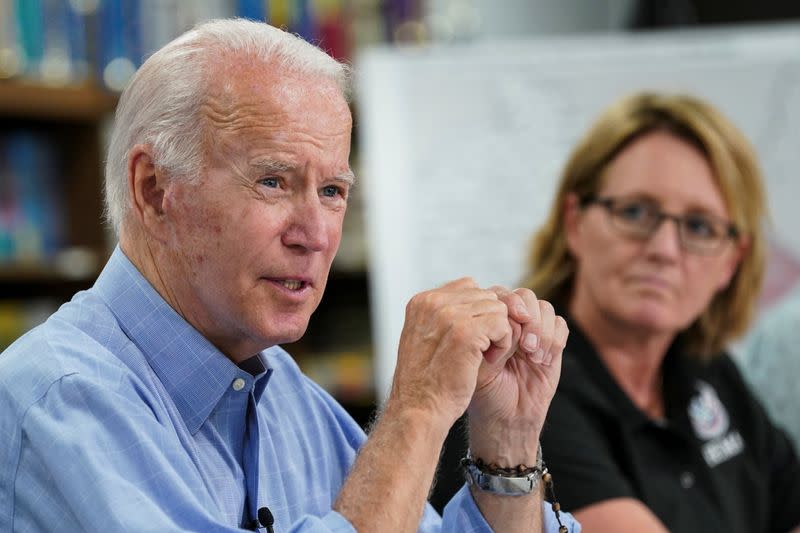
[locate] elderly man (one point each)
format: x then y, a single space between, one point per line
159 400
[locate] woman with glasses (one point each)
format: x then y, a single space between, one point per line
654 252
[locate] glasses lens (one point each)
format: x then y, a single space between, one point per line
639 218
701 233
634 217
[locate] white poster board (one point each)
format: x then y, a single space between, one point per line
462 146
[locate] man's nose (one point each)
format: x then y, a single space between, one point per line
308 226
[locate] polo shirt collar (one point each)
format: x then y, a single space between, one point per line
678 378
193 371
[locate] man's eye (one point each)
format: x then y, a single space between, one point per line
699 226
269 182
332 191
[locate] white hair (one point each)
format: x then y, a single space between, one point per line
161 106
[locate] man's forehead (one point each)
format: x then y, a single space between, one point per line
244 76
273 96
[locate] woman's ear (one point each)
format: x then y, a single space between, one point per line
734 259
571 221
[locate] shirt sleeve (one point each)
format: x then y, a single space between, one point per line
771 448
775 451
332 522
579 455
784 482
91 459
462 515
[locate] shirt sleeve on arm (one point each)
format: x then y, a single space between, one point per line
332 522
96 460
462 515
92 459
772 447
778 452
784 482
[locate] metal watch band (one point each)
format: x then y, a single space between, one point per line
505 486
500 484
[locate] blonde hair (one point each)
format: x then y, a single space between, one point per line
735 166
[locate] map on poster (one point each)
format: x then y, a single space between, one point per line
461 146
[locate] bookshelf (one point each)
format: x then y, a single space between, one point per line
64 124
77 104
68 121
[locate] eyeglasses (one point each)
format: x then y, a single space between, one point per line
639 219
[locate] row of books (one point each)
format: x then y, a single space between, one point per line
71 41
32 217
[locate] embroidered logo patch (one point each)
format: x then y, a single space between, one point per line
711 422
708 415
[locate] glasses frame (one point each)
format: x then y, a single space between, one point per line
609 203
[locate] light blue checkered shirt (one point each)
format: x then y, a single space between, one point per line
117 415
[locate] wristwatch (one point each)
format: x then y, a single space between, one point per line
515 484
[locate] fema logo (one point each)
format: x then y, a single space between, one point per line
707 414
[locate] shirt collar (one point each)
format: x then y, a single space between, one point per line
678 371
193 371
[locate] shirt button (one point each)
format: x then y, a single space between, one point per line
238 384
687 480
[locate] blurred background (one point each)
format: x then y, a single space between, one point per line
63 63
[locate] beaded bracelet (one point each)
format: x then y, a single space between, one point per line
550 494
494 469
521 471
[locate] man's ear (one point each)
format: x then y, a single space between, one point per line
146 189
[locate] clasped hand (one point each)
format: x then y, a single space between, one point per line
493 351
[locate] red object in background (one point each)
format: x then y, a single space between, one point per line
783 273
333 38
332 30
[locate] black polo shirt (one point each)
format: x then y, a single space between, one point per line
716 463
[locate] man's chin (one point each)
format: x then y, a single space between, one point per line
292 331
292 338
